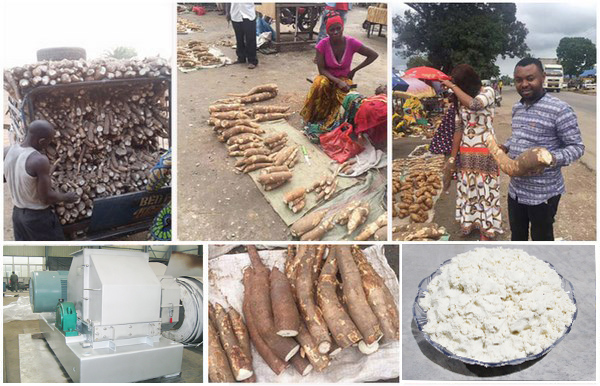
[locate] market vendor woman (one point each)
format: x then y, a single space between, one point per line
334 60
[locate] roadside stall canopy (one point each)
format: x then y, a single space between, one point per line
426 73
591 72
416 88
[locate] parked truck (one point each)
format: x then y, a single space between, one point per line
554 74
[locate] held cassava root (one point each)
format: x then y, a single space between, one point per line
533 160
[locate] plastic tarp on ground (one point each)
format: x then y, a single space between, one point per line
304 174
19 310
350 366
217 53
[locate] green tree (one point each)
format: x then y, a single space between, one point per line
121 53
417 61
448 34
576 55
506 80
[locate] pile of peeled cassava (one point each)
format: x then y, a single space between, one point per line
326 300
108 136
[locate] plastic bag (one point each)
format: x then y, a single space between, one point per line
19 310
338 145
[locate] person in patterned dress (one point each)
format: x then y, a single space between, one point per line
441 143
478 186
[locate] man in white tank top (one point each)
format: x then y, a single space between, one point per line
27 173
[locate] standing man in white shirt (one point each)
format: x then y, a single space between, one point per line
243 18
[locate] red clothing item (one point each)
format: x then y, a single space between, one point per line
333 20
338 7
371 118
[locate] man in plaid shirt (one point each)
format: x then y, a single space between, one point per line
539 119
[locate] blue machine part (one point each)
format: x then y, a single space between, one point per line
46 288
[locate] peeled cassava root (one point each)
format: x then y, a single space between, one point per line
529 162
108 136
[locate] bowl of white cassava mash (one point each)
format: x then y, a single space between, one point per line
495 307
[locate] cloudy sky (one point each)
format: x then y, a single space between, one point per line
547 24
96 26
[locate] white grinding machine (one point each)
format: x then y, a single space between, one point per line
108 318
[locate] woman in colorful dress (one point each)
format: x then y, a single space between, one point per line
334 60
478 186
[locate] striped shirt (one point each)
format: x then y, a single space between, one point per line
550 123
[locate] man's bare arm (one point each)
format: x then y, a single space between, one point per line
39 166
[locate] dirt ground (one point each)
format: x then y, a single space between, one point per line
576 217
214 203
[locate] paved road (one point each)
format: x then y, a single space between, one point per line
585 108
